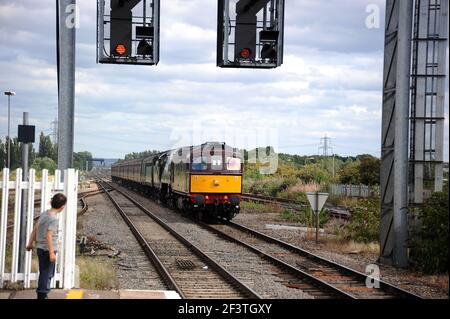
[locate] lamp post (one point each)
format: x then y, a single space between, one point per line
9 94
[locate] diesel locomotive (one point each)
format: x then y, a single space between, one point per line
202 179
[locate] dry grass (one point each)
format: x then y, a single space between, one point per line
351 247
301 187
96 273
349 202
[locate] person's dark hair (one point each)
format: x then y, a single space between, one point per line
58 201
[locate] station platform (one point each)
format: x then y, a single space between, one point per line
92 294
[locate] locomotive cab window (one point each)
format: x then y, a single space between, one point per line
199 163
233 164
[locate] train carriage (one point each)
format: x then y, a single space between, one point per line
205 179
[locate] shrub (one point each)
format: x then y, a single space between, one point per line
271 186
41 163
364 225
350 174
431 249
369 170
313 174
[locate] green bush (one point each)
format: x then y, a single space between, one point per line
364 225
313 173
431 249
350 174
41 163
271 186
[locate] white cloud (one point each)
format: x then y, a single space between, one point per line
330 82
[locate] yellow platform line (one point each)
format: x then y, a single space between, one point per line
75 294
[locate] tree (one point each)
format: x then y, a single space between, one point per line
144 154
16 153
80 158
350 174
369 170
46 147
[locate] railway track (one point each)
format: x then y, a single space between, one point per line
320 277
183 267
290 276
334 211
343 278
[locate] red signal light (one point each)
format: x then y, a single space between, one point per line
246 53
121 49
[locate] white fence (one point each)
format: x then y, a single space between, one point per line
363 191
65 264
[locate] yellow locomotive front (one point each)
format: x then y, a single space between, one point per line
215 179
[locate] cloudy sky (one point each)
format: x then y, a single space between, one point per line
330 82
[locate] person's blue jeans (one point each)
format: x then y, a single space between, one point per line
46 273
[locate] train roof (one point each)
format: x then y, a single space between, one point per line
168 152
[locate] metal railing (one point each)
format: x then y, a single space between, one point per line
360 191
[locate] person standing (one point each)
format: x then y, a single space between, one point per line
45 233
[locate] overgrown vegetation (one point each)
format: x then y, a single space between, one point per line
431 249
96 273
364 225
253 207
297 175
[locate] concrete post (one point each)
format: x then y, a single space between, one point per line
400 252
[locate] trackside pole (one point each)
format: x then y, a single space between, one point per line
317 219
23 217
66 38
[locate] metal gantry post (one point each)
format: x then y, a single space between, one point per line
66 83
428 98
415 126
395 124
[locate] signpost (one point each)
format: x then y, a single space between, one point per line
317 200
26 135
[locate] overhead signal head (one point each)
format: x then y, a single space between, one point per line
120 49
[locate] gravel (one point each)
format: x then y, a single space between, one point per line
103 223
256 272
252 269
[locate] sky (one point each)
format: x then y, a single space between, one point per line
330 82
